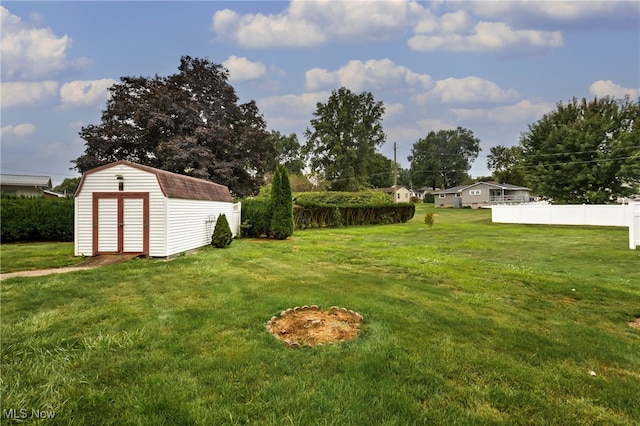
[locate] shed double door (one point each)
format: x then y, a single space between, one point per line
121 223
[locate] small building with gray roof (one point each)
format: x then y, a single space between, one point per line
123 207
24 185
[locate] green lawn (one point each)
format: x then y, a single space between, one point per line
29 256
468 323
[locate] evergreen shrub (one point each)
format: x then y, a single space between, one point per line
281 205
222 235
256 217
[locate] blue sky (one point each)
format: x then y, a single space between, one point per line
491 67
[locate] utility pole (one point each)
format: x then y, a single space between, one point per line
395 175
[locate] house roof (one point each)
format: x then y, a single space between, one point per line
391 188
460 188
53 193
174 185
25 180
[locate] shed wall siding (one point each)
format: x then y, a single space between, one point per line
133 225
190 223
108 225
134 180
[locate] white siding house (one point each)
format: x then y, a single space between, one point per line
124 207
23 185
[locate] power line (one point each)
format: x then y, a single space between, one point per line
600 160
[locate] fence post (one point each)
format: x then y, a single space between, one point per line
634 225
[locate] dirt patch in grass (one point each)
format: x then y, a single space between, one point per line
309 326
635 324
106 259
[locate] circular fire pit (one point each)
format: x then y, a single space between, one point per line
309 326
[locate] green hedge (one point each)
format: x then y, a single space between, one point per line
342 198
256 217
313 215
327 209
36 219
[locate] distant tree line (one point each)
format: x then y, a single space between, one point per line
192 123
583 152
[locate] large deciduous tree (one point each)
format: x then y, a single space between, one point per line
380 171
585 151
288 152
68 186
443 158
345 134
189 123
506 164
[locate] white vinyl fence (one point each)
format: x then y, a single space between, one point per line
634 226
623 215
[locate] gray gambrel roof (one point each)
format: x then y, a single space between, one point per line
25 180
505 186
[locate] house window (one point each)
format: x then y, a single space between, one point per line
475 192
442 196
458 195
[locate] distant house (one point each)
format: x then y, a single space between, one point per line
420 193
24 185
482 194
400 193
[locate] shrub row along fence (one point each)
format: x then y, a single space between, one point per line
256 215
326 215
36 219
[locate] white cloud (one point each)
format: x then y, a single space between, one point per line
393 110
21 130
427 125
19 94
403 133
309 23
486 37
258 30
241 69
76 125
290 113
523 111
602 88
466 90
85 92
32 53
559 13
449 23
369 75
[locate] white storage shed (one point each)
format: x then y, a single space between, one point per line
125 207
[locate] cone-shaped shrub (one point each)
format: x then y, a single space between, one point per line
222 233
281 205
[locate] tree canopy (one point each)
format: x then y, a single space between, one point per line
189 123
288 152
380 171
346 130
584 151
443 158
506 164
68 186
